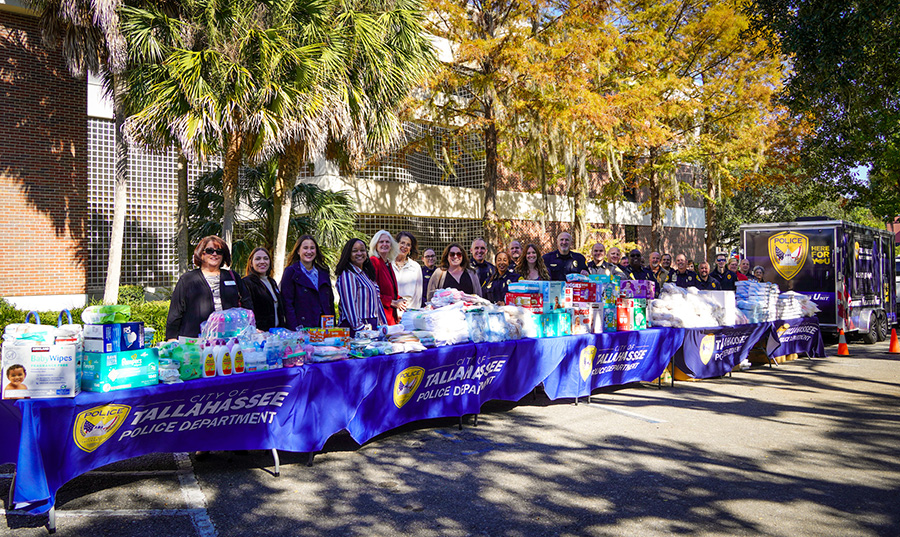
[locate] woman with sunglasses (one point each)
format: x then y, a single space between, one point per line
531 265
268 304
209 288
306 286
454 273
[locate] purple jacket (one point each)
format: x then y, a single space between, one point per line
304 304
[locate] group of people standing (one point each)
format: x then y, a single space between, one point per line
377 283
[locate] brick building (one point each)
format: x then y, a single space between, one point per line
56 189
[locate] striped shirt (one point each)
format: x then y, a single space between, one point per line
360 298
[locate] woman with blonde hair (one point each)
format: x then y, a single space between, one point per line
383 249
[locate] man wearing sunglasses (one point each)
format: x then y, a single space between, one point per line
636 269
429 259
726 278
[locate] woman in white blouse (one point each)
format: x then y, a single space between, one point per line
407 271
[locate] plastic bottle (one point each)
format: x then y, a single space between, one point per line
209 360
237 355
223 360
289 358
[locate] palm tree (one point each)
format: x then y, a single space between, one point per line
329 216
375 52
216 81
88 31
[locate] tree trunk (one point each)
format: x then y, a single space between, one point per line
491 164
656 224
233 156
285 180
580 197
120 202
182 239
711 231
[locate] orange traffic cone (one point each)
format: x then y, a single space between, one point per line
895 345
842 344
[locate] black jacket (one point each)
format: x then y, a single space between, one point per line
263 305
192 301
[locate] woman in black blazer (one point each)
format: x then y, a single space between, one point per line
268 305
209 288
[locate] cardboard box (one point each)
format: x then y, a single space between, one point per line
113 337
318 335
582 318
553 293
108 371
554 324
533 302
39 372
585 292
638 288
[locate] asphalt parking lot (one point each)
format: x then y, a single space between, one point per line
811 447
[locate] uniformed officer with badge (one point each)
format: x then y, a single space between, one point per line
705 282
682 277
563 261
726 278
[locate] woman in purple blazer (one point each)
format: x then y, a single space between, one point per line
306 286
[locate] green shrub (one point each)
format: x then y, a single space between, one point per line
131 295
153 314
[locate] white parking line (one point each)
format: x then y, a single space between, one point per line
194 498
626 413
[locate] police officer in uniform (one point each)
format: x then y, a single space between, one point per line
726 278
705 282
682 277
480 265
563 261
636 269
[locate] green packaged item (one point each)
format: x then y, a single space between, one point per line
191 362
106 314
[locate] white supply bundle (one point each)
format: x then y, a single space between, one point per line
758 301
685 308
447 324
445 297
792 305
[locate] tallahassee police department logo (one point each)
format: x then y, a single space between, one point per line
406 384
787 251
781 329
707 348
96 425
586 361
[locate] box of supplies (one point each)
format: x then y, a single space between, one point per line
113 337
41 371
108 371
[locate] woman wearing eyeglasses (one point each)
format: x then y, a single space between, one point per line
306 286
209 288
454 273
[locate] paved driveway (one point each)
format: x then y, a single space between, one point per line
808 448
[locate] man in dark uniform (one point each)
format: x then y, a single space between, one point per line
682 277
636 270
482 267
563 261
666 262
704 281
515 250
598 255
725 277
430 259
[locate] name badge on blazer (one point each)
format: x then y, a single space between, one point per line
229 282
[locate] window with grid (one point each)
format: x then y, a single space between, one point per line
148 256
433 156
434 233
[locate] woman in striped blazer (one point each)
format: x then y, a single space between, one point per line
359 294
